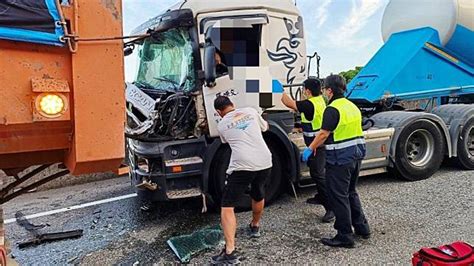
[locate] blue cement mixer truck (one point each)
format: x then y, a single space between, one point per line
421 83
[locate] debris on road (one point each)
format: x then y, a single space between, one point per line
71 260
23 222
187 245
40 238
50 237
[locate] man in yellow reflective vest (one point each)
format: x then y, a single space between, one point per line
312 111
341 133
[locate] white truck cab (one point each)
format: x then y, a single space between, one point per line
249 50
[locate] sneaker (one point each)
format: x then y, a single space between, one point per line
314 200
225 259
254 231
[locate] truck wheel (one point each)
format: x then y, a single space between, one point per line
466 146
218 174
274 182
419 151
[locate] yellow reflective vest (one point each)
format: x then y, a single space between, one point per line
348 142
310 128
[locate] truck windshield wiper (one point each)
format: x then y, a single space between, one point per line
144 85
181 86
147 86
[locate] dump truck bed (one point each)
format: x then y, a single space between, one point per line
86 81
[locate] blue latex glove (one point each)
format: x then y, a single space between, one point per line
306 154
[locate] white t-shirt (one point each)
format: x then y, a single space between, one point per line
242 129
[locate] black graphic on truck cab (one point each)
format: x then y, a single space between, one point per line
289 50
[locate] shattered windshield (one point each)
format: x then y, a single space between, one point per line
166 62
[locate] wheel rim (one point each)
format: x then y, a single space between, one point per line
470 141
419 148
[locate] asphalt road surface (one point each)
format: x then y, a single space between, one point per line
404 216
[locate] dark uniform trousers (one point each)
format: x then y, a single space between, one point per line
341 183
317 166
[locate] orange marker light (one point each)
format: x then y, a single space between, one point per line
177 169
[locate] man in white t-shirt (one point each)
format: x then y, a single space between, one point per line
250 164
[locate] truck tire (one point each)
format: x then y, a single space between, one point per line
218 174
419 151
466 146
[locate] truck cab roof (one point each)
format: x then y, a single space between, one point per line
198 7
204 6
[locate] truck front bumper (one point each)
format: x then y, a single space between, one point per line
173 167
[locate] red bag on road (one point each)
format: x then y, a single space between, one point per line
457 253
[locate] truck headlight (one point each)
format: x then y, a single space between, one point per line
51 105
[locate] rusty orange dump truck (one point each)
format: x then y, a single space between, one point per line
61 85
61 90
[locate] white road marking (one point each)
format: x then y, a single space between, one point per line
76 207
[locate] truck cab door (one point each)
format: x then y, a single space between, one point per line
237 38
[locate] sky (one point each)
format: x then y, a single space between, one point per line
345 33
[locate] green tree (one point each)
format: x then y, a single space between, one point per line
350 74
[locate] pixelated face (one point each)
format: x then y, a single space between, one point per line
239 46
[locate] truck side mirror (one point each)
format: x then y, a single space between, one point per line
210 65
318 61
128 50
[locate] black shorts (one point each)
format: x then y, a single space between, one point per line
238 182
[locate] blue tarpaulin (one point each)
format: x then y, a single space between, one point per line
36 21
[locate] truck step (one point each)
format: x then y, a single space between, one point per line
305 174
184 193
305 180
298 140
